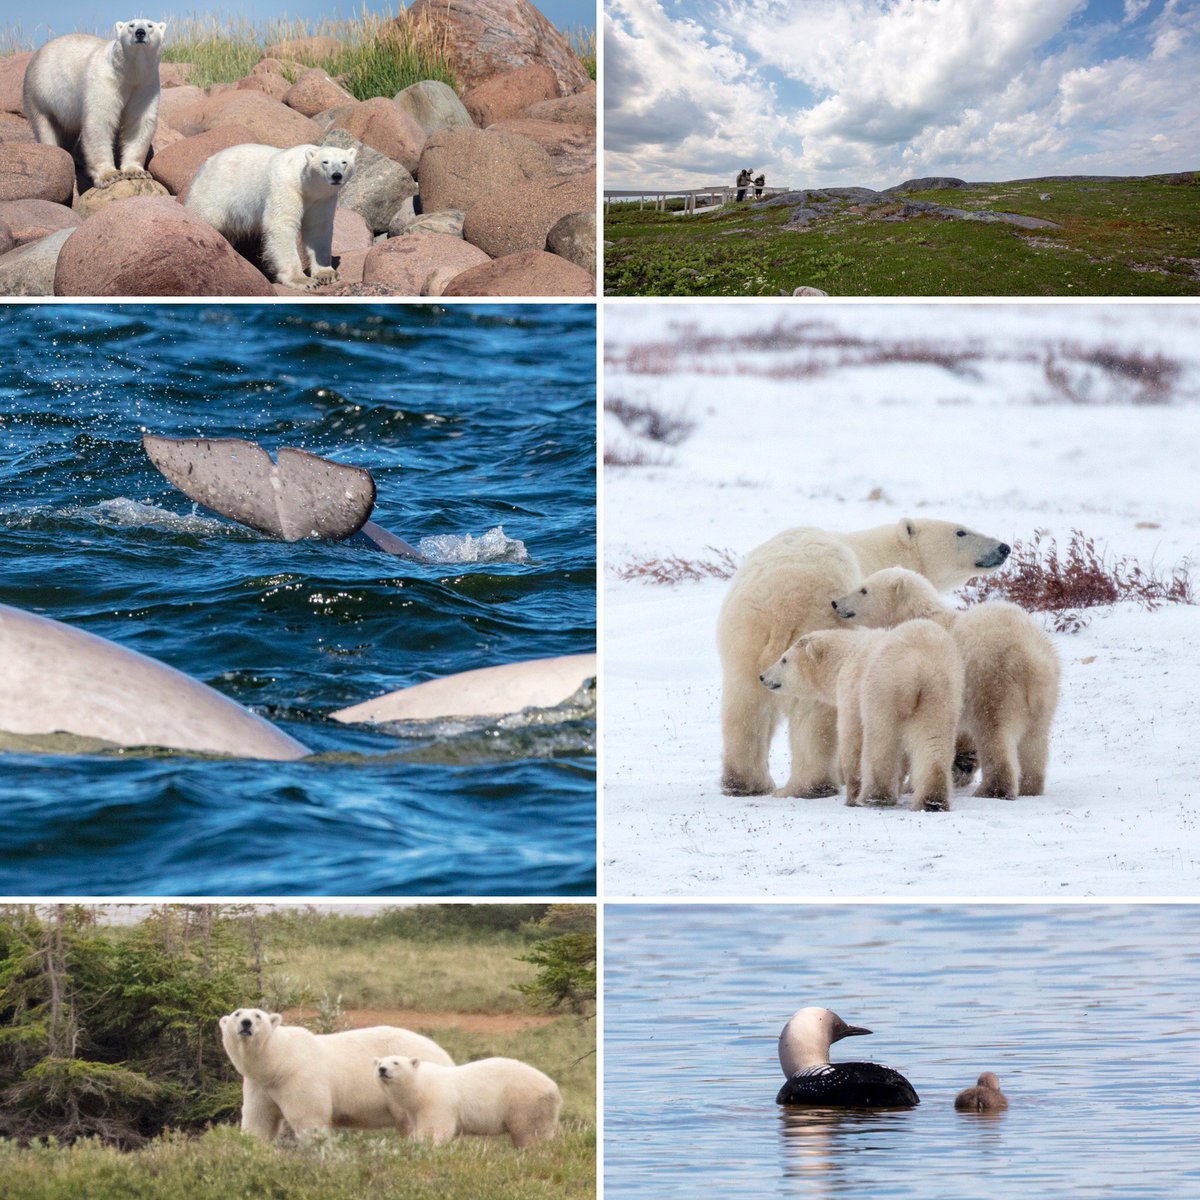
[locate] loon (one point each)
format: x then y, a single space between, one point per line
814 1081
985 1096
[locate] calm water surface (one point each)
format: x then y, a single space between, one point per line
1087 1014
478 424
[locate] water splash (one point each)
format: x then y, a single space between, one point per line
123 513
493 546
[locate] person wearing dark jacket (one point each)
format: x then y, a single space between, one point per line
760 182
743 182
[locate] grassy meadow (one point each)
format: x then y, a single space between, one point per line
450 972
1131 237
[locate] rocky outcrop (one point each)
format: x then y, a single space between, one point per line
490 36
521 216
29 220
29 270
433 105
404 264
509 94
314 92
381 125
573 237
460 167
123 188
530 273
36 172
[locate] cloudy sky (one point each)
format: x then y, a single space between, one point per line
873 92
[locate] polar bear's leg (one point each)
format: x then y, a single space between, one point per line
882 757
316 235
260 1114
44 129
137 132
101 119
850 743
310 1114
1034 753
812 738
282 218
1000 770
749 714
437 1127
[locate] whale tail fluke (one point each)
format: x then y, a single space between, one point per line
299 495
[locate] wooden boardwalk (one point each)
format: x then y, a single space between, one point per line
712 197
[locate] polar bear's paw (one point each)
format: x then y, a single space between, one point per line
107 178
322 275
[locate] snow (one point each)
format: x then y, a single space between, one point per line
993 445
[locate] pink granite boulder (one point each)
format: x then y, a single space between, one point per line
29 171
509 94
530 273
460 167
404 264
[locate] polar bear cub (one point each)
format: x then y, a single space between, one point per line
284 197
101 95
313 1082
488 1097
1012 674
898 696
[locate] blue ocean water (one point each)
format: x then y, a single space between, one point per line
479 426
1085 1012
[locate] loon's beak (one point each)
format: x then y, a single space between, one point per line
846 1031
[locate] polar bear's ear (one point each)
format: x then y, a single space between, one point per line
117 30
908 528
351 156
276 1020
313 153
223 1022
162 27
416 1062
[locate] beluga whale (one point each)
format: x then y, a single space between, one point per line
296 495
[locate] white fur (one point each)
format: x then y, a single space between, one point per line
489 1097
785 589
1012 675
103 95
286 197
313 1082
898 697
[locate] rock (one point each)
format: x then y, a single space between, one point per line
36 172
15 129
509 94
806 291
173 74
182 108
490 36
350 232
124 187
446 220
12 80
530 273
404 264
929 183
152 247
7 241
267 77
439 281
916 208
350 266
462 166
572 148
579 109
326 120
29 270
378 186
520 217
164 136
1044 196
378 123
177 165
305 49
433 105
403 217
30 220
314 92
573 237
270 121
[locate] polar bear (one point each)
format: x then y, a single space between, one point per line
1012 674
898 696
785 589
313 1082
491 1096
101 95
285 198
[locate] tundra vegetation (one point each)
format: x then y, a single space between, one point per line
114 1084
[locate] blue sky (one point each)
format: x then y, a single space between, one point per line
68 15
872 92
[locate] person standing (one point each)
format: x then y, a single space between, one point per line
760 182
743 182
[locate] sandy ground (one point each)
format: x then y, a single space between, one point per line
1024 425
411 1018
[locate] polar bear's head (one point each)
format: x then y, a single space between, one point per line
331 165
397 1074
141 32
248 1025
887 598
948 554
810 666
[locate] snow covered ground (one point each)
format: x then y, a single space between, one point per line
1037 419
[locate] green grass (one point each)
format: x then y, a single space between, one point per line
1133 237
224 1165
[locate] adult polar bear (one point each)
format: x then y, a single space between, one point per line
314 1081
253 191
103 95
785 589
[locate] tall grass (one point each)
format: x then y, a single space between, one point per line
582 41
378 55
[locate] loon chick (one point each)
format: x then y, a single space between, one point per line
815 1081
985 1096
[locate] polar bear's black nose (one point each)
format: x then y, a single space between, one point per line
1005 550
139 35
246 1022
337 177
834 603
383 1072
